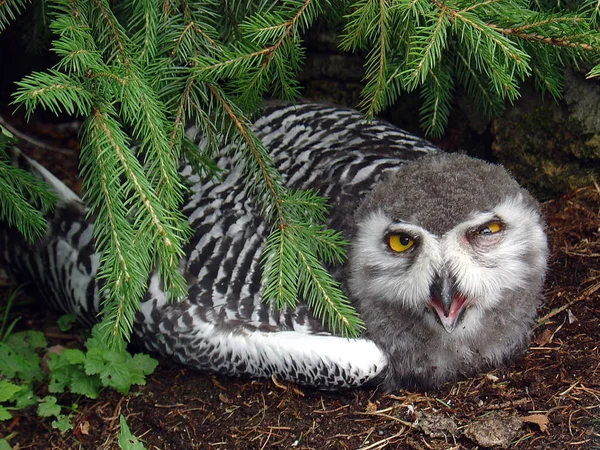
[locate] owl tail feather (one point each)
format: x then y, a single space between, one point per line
61 266
65 196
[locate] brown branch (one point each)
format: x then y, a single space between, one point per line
180 111
191 26
557 42
288 28
108 17
519 31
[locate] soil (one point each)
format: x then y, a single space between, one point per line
547 399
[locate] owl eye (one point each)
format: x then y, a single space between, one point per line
490 228
399 242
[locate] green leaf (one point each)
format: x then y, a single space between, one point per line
111 366
7 390
48 407
66 321
19 357
141 365
62 423
4 414
25 341
127 441
4 445
84 384
67 371
25 397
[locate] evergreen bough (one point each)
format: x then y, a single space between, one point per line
138 71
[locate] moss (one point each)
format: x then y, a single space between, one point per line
547 153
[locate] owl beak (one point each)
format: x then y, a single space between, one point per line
447 302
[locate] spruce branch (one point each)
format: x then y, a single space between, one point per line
53 91
436 95
185 39
268 177
281 283
376 75
10 10
25 199
105 157
266 27
425 50
323 295
145 20
594 72
477 87
478 31
137 205
110 33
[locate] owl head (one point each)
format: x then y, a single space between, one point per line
447 239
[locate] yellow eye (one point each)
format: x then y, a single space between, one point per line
491 228
399 242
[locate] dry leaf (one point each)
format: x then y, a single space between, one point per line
371 407
84 428
217 384
543 338
541 420
224 398
436 424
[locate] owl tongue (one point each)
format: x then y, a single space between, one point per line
447 302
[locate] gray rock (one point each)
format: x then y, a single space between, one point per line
496 430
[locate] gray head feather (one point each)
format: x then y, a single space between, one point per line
439 191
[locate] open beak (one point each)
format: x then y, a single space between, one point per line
447 302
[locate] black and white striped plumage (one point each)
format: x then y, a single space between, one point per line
446 264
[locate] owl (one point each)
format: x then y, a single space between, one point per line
445 266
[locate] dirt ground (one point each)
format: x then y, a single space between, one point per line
548 399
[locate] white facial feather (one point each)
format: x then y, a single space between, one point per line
483 273
392 277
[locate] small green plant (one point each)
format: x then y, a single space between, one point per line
7 323
86 373
72 370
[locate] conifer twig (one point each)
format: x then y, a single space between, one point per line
561 42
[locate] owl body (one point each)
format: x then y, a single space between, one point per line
445 266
